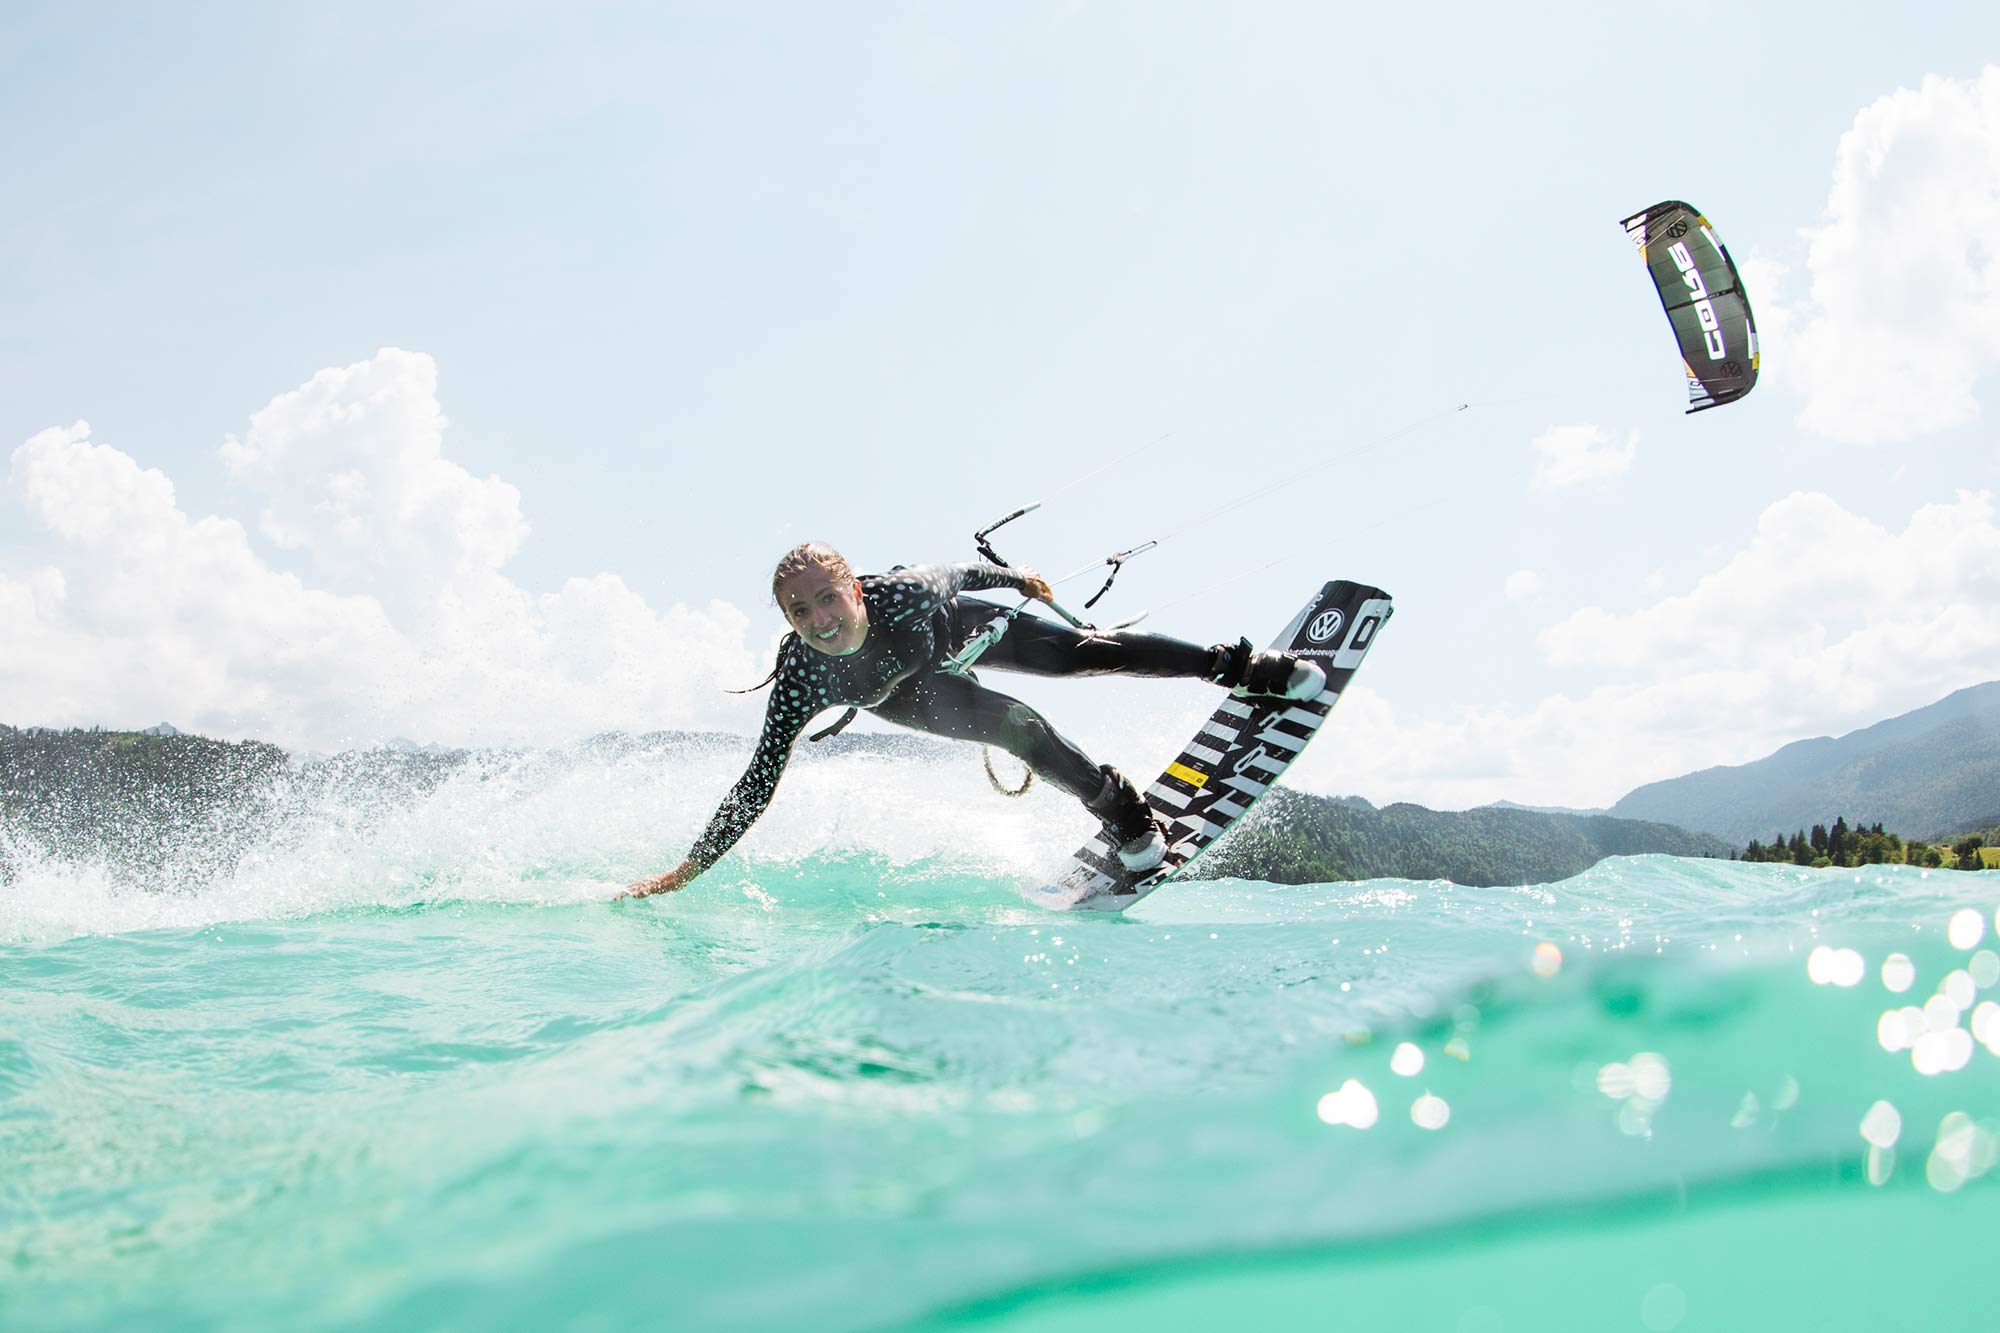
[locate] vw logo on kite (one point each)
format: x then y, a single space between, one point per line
1325 625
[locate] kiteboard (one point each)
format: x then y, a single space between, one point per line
1243 748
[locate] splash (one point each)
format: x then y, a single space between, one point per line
398 830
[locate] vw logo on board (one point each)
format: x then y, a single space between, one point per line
1325 626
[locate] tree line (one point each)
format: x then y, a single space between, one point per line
1841 844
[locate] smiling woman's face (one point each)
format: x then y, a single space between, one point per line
825 609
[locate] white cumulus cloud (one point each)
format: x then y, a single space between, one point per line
1903 319
1819 593
1822 621
404 624
352 472
1567 456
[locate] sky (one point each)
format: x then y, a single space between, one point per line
458 372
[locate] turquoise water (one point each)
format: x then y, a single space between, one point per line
405 1068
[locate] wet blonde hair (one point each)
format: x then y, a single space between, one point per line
804 556
809 555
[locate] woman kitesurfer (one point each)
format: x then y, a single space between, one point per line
877 641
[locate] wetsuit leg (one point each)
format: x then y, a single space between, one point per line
1042 647
964 710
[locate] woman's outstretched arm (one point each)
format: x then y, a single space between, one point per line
794 701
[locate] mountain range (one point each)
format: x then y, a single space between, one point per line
1932 773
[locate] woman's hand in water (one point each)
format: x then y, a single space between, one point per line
1037 587
677 878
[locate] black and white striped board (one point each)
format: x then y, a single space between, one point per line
1241 750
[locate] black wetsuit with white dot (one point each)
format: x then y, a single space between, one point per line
916 619
905 624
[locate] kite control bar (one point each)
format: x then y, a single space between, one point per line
960 663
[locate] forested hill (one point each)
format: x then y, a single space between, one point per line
1933 773
1296 838
129 797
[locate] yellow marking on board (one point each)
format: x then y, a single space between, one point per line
1188 775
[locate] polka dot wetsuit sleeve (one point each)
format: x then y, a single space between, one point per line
909 595
797 695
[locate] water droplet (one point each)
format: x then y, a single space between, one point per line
1882 1125
1350 1104
1548 960
1898 972
1663 1308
